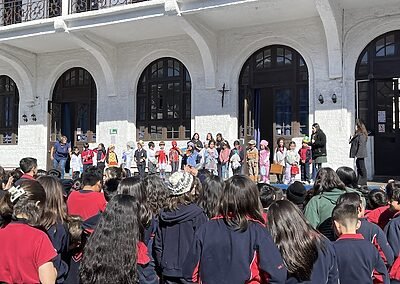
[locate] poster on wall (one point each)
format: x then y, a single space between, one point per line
381 116
381 128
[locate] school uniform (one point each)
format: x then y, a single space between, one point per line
86 203
23 178
87 158
140 159
173 239
392 231
357 260
220 254
325 269
371 232
145 266
23 250
380 216
59 237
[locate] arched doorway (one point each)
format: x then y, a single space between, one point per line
377 99
273 95
72 109
164 101
9 103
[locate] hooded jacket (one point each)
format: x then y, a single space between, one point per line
174 236
319 210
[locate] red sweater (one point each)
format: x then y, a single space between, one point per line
86 203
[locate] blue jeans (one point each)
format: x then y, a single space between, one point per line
225 171
315 169
60 165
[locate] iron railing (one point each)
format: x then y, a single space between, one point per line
10 138
18 11
79 6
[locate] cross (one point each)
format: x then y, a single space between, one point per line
223 91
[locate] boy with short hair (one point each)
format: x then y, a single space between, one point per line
89 201
357 258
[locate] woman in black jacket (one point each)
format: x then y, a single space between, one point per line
318 148
358 150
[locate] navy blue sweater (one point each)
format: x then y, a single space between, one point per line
392 231
174 236
325 269
373 233
222 255
59 237
357 259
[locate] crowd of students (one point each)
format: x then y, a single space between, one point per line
109 227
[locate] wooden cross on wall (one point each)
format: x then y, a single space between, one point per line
223 91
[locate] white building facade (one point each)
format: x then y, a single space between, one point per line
153 70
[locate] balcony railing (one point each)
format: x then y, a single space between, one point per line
13 12
79 6
10 138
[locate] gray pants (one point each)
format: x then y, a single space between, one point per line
152 168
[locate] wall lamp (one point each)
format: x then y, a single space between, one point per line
334 98
33 117
24 118
321 99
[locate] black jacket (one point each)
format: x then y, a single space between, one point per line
318 148
174 236
358 147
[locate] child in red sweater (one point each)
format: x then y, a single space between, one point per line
88 201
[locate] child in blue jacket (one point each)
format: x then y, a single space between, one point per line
235 247
177 223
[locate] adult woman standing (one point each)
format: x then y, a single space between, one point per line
318 148
59 154
358 150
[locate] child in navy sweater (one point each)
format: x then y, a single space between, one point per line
235 247
177 223
368 230
357 258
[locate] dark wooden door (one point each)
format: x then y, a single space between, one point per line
387 127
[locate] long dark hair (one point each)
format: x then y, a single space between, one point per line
361 129
348 176
30 204
297 241
210 195
156 193
240 201
111 253
327 180
55 209
133 186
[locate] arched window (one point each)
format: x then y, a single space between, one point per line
9 101
163 101
378 99
273 95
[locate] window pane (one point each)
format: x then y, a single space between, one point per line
283 111
288 56
303 110
379 47
259 60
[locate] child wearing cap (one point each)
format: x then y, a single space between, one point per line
174 154
252 160
162 159
357 258
264 161
178 221
305 160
